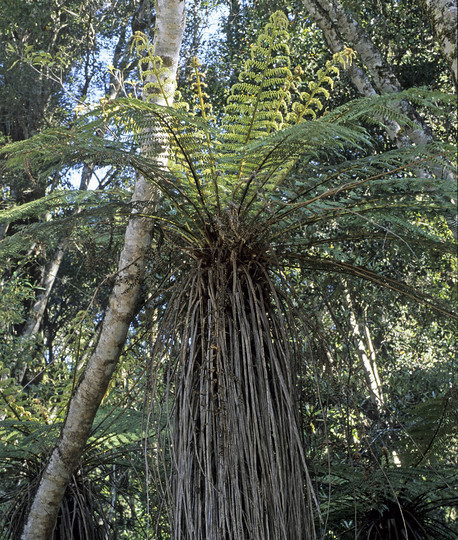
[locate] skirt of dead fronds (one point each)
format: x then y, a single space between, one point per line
81 514
237 457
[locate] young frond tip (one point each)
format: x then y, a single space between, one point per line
344 57
155 76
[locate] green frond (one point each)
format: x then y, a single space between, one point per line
264 81
279 176
277 192
23 439
62 223
430 432
59 201
386 501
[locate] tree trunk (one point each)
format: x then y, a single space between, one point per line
442 15
366 355
365 352
123 299
238 460
339 29
35 317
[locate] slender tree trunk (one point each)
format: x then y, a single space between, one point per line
35 317
442 15
3 229
367 359
366 355
340 28
84 404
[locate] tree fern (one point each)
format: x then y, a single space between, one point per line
384 502
245 205
112 452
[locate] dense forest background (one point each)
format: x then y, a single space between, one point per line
344 289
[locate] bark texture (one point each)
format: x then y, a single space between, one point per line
442 15
340 28
170 21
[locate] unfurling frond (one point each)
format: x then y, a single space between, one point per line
153 73
255 105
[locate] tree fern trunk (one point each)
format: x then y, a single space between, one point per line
237 456
123 299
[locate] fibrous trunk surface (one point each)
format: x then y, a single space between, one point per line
237 456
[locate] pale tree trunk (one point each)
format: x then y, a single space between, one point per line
365 352
3 229
37 311
170 21
442 15
340 29
366 355
357 75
